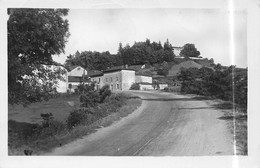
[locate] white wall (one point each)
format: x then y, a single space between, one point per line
146 87
140 78
128 78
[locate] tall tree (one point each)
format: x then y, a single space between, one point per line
189 50
34 35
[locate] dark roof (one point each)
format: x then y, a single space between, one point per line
93 73
116 69
140 74
145 83
97 74
77 79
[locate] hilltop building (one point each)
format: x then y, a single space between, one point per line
177 51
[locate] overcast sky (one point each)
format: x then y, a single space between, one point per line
103 29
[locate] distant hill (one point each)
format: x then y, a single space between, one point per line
174 66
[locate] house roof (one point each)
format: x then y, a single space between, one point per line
96 75
140 74
93 73
145 83
114 69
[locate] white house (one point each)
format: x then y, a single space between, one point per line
77 71
119 79
76 76
116 78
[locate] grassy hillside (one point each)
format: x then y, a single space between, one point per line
59 107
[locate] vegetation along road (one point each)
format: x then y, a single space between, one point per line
165 124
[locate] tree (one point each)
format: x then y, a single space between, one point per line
167 45
189 50
34 35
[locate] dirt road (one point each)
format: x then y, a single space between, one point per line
165 124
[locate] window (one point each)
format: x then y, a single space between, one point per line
106 79
117 86
99 80
116 78
111 79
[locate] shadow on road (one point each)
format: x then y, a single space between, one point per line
240 117
224 106
198 108
176 99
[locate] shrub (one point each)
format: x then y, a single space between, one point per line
89 99
104 93
47 118
135 86
75 118
118 99
85 88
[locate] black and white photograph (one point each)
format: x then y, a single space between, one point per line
135 81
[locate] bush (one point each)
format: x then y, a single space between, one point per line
75 118
89 99
135 86
55 128
104 93
85 88
117 100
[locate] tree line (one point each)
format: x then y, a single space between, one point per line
137 54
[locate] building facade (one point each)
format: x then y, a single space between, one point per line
75 77
116 79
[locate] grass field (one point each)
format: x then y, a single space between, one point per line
25 121
59 107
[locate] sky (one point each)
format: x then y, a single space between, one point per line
103 29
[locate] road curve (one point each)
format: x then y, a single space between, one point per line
166 124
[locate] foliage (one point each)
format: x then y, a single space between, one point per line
164 69
85 88
135 86
189 50
104 93
34 35
139 53
92 60
76 117
89 99
47 119
224 83
70 86
147 52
